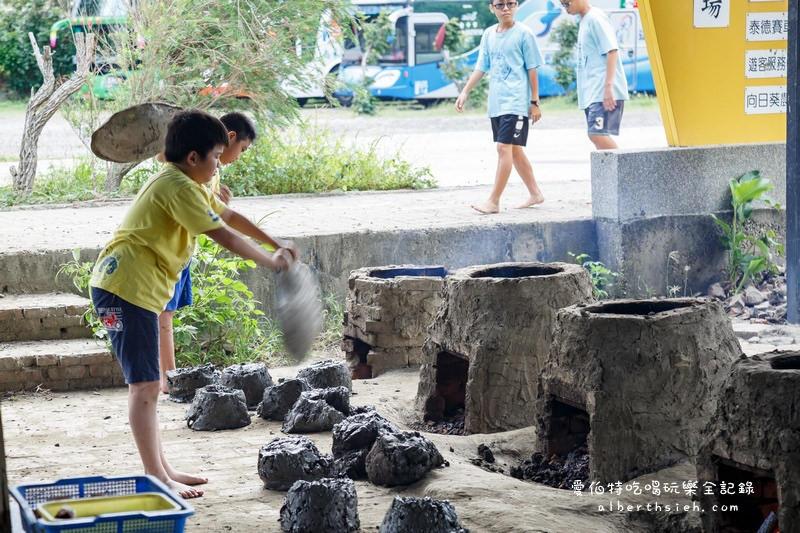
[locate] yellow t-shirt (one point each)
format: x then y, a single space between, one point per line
156 239
213 185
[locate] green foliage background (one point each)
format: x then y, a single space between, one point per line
18 70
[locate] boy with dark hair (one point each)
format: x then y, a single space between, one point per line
136 271
602 87
508 51
241 134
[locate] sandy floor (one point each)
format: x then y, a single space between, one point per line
49 436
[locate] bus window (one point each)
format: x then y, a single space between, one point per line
398 52
100 8
425 43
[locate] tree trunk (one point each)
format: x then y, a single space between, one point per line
117 171
45 102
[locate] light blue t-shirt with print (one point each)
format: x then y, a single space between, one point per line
508 57
596 38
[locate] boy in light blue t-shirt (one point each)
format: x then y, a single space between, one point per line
602 87
508 51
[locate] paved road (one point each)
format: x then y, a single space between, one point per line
458 148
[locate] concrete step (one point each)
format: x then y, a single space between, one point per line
69 364
52 315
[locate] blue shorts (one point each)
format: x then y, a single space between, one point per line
603 122
183 291
133 332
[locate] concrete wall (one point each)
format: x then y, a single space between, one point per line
332 257
650 203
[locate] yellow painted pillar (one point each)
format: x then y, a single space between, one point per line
719 68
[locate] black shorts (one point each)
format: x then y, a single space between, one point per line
602 122
510 129
133 333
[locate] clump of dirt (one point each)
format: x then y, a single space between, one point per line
486 460
556 471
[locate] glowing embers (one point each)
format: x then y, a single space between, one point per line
754 439
489 340
647 374
387 312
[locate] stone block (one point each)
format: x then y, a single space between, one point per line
67 372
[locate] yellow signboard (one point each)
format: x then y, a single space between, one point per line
719 68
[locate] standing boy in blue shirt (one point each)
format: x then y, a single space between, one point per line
136 271
602 87
508 51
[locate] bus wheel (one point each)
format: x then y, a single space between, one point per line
301 101
345 100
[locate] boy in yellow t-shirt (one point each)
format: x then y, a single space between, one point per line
136 271
241 133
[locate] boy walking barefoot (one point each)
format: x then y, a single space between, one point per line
241 134
602 87
136 271
508 51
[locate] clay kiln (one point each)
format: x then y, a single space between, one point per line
490 339
387 313
750 456
637 381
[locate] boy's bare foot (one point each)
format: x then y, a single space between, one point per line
533 200
487 207
184 490
188 479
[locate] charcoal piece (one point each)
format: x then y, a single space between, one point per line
324 506
352 464
361 409
327 374
352 439
485 453
336 397
421 515
252 378
311 416
285 460
279 398
359 432
216 407
401 459
183 382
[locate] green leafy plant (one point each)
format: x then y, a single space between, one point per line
81 273
565 36
602 277
314 160
748 255
458 72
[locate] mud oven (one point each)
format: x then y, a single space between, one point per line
750 456
490 339
387 313
636 381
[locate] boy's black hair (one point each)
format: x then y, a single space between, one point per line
241 125
193 130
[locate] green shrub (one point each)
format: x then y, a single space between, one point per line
17 64
602 277
316 161
79 182
566 37
748 255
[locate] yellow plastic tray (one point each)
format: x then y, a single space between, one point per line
88 507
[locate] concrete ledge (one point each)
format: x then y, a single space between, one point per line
634 184
649 203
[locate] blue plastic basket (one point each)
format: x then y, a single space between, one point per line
29 496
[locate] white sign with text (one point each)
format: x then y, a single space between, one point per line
765 99
765 64
712 13
767 26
